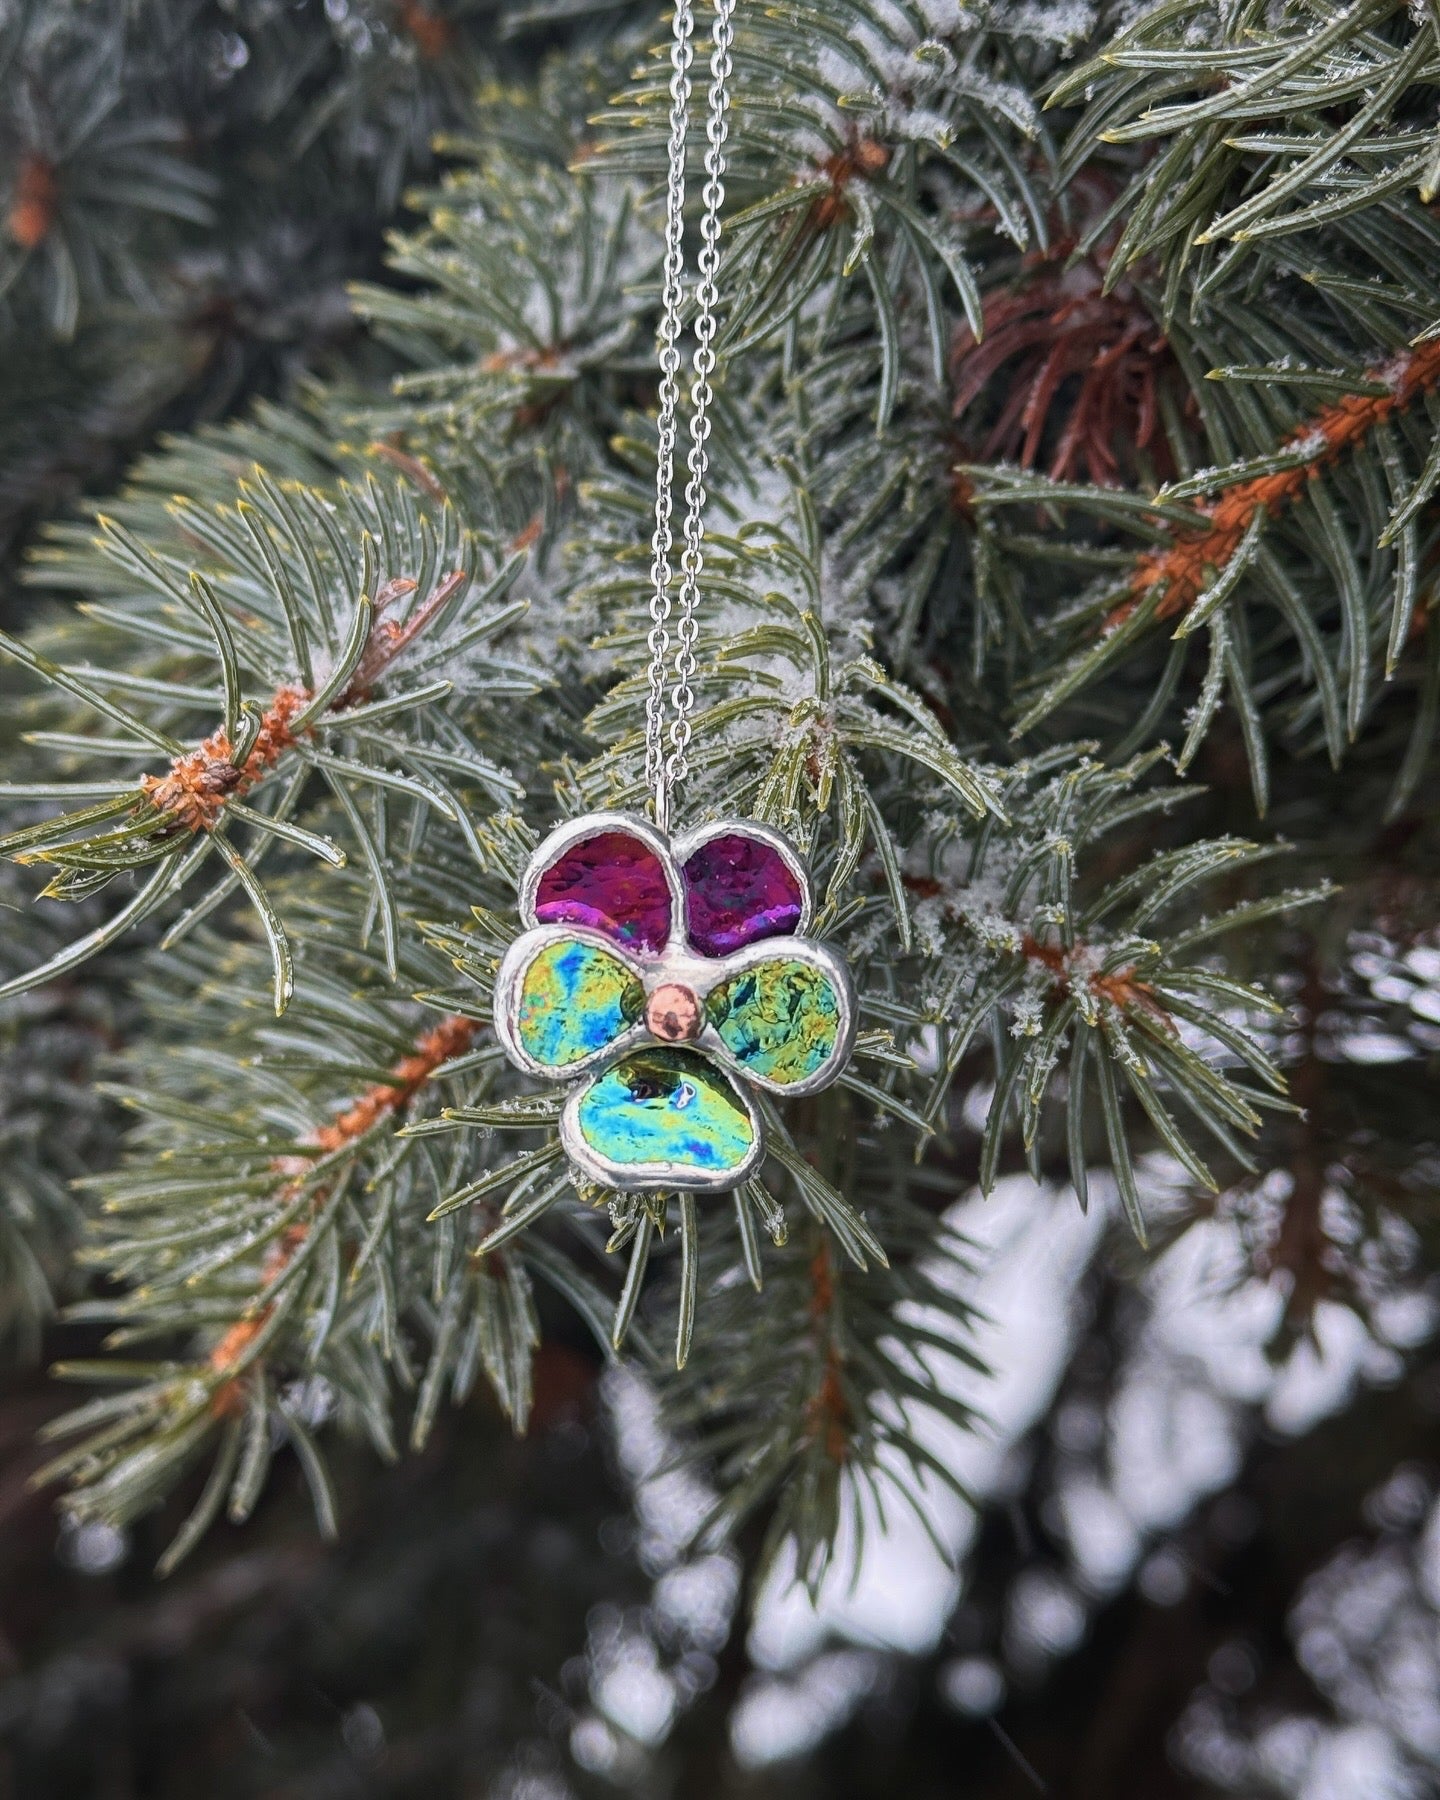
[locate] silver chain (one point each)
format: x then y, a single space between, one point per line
664 768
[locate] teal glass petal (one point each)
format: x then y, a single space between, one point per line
659 1107
574 1000
780 1019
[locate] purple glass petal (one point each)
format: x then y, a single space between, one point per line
740 889
613 883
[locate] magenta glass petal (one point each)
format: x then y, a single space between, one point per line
740 889
613 883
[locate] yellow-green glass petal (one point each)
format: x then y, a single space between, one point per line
780 1019
574 1000
666 1109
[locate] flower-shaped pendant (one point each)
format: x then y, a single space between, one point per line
669 976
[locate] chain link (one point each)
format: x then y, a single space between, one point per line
664 769
661 574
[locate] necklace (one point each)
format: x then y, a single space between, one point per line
649 973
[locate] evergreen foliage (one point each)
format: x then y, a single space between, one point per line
1050 343
185 192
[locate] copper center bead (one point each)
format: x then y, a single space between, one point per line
674 1014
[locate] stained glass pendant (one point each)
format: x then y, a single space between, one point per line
665 979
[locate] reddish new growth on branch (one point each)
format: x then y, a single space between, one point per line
1184 569
195 790
432 34
861 157
1070 969
411 467
827 1415
1302 1250
530 360
1098 358
962 494
35 200
452 1037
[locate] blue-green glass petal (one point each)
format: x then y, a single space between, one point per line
780 1019
575 999
666 1107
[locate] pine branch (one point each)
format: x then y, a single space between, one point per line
134 1446
865 141
1134 1011
449 1039
310 1258
1345 81
317 720
1209 555
1055 325
1198 561
842 1390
